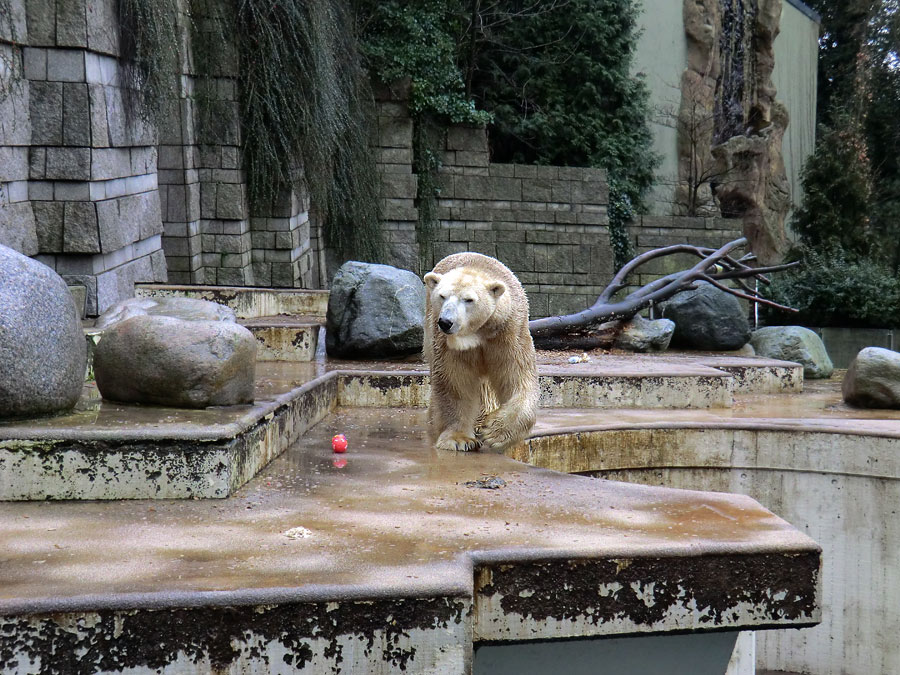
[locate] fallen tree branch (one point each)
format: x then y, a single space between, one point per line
715 266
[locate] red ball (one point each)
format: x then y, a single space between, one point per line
339 443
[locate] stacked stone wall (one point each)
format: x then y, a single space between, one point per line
548 224
651 232
82 166
108 199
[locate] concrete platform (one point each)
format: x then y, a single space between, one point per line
109 451
285 338
391 556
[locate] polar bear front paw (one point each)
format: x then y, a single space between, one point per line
457 441
494 435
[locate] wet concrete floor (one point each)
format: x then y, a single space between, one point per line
390 517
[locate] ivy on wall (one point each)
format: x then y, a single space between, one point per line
417 41
551 77
557 78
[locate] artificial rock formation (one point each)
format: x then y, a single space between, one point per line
374 311
161 360
729 79
42 346
797 344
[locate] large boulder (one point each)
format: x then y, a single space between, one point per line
645 335
873 379
707 318
374 311
797 344
42 345
161 360
189 309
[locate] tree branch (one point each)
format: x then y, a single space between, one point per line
714 267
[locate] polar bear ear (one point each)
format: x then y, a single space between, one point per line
432 279
497 288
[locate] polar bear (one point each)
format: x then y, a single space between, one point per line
484 386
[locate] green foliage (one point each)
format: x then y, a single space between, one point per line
148 43
836 192
859 82
843 62
833 289
417 40
557 78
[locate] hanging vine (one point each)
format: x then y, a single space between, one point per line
305 107
149 49
305 100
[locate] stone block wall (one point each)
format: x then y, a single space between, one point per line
107 199
82 166
651 232
548 224
212 235
394 155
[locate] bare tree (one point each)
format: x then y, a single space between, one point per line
714 267
698 171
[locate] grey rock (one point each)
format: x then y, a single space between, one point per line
17 228
186 309
645 335
80 233
873 379
42 346
707 318
374 311
161 360
797 344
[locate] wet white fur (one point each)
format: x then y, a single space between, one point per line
483 374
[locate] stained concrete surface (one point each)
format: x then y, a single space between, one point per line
392 516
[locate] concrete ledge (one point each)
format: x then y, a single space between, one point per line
109 451
155 453
285 338
391 556
559 389
247 302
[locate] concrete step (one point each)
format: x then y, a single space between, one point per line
285 338
104 450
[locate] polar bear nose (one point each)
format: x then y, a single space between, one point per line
445 324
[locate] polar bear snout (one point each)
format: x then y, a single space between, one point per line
446 325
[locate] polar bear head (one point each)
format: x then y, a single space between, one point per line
463 301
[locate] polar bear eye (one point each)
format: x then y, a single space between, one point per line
442 296
469 301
